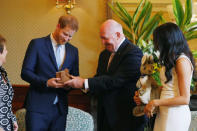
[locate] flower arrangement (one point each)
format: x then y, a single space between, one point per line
156 73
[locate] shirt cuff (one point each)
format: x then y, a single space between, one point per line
86 86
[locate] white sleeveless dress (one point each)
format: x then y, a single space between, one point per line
176 118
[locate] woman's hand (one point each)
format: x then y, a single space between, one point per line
148 110
15 126
137 99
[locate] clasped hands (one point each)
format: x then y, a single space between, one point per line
75 82
148 109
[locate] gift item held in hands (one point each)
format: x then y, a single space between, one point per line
63 75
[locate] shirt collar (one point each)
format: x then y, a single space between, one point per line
120 44
54 42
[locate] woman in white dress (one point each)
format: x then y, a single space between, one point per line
176 74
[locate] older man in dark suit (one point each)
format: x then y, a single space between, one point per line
115 81
46 102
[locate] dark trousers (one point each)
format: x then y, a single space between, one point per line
138 123
135 124
53 121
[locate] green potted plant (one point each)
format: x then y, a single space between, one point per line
183 18
140 26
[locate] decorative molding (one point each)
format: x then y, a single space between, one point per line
152 1
131 5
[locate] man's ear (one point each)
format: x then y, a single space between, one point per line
118 34
58 26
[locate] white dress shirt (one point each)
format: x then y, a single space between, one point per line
86 80
62 56
62 49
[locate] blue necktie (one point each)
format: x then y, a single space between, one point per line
58 60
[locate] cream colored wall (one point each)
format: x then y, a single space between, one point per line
22 20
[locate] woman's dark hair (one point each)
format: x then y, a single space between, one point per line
2 43
170 42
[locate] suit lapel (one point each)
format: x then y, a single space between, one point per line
67 56
51 52
118 56
105 61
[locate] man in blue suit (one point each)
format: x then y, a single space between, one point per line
46 102
115 81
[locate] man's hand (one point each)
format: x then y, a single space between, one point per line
53 82
137 99
75 82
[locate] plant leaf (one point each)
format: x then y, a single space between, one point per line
191 25
120 15
192 29
136 11
141 15
162 19
128 34
151 22
190 35
148 13
143 12
150 30
194 53
124 11
178 12
188 12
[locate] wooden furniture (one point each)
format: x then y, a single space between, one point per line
76 98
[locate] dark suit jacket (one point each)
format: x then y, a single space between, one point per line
39 65
115 88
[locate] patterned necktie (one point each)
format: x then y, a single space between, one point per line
110 59
58 58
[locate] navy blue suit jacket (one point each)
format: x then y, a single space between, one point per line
39 65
